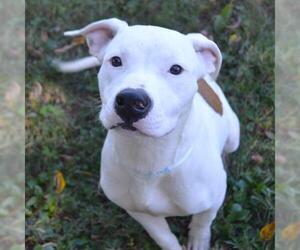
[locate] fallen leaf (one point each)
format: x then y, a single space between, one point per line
267 232
36 92
60 182
234 38
291 231
66 158
38 53
47 97
58 96
75 42
95 237
78 40
44 37
257 158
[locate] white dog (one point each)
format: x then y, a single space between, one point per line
168 125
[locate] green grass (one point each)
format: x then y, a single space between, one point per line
63 132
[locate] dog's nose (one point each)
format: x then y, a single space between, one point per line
132 105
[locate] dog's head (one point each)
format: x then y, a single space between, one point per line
149 74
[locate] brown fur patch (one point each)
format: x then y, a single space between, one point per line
210 96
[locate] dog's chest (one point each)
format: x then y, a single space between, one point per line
124 179
150 197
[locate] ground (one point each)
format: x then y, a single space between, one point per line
63 132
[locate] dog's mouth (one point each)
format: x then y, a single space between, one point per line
130 127
123 125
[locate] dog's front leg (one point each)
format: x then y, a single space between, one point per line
158 229
199 234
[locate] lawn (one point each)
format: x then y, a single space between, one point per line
63 132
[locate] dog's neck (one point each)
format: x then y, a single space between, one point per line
145 155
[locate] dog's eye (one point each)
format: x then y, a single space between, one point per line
176 69
116 61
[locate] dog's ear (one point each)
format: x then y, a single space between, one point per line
99 34
208 52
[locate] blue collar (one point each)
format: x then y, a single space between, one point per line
166 170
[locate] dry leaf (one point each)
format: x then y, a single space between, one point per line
78 40
60 182
291 231
95 237
66 158
44 37
36 92
58 96
267 232
75 42
47 97
257 158
38 53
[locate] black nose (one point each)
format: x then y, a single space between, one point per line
132 105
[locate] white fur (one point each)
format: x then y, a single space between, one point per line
77 65
179 121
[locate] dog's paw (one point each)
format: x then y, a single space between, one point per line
198 243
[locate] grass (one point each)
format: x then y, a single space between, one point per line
63 133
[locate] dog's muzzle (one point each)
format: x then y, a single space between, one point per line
132 105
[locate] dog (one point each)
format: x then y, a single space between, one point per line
168 124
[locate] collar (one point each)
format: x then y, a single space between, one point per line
150 175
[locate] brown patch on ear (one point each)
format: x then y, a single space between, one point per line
210 96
